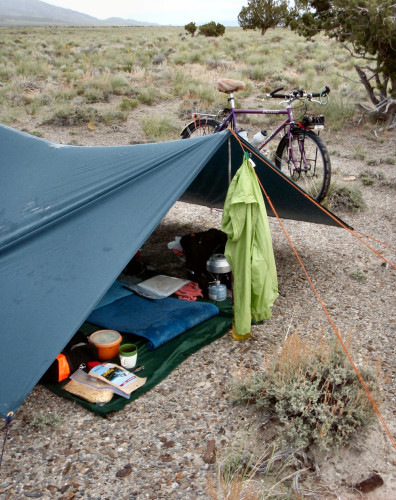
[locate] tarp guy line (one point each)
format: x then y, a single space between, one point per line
373 403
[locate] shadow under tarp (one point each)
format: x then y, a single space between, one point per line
159 363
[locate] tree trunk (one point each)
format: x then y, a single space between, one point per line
367 85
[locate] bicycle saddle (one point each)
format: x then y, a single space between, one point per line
227 85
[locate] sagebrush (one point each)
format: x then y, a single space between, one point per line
312 392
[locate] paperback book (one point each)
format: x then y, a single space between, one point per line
118 377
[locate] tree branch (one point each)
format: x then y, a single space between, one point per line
356 54
366 83
347 78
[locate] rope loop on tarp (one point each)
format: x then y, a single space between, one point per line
335 329
8 422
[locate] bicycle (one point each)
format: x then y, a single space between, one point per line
301 153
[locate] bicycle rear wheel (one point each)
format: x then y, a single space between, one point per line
310 168
200 127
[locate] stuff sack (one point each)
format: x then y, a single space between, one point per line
198 248
77 352
135 266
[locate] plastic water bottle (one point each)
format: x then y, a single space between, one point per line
244 134
258 138
217 291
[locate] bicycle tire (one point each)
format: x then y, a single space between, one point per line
200 127
313 178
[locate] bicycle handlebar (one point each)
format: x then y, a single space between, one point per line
295 94
324 92
271 94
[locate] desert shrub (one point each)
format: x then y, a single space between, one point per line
32 68
68 117
367 180
196 57
95 95
119 84
339 111
181 83
128 104
342 197
312 392
82 115
147 96
159 128
368 177
112 117
218 63
158 59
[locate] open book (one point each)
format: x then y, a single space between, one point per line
118 377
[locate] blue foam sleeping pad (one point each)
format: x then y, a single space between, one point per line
156 320
115 292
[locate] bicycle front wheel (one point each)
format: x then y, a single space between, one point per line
200 127
304 158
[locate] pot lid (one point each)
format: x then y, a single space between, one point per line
103 337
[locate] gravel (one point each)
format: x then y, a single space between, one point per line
155 447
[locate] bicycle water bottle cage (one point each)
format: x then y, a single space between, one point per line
228 86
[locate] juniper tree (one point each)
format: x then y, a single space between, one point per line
191 28
262 14
367 29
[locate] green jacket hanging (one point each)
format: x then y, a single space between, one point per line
249 251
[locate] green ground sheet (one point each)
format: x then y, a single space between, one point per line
160 362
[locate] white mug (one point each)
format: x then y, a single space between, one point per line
128 356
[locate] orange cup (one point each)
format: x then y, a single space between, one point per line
107 342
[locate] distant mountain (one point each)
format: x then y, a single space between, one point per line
37 13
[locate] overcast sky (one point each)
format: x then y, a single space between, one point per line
176 12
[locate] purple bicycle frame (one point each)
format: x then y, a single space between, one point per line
231 118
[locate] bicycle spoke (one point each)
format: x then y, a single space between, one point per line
306 161
200 128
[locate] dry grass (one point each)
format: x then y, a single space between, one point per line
100 67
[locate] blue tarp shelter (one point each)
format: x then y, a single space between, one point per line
72 217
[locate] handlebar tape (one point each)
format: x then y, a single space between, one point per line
274 93
277 90
324 92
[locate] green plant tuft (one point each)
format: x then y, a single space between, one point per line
128 104
147 96
47 419
359 275
342 197
367 180
159 128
